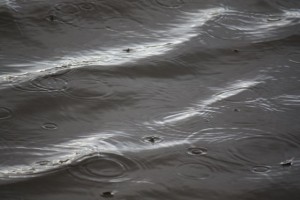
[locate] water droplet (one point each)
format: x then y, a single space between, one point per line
49 126
197 151
5 113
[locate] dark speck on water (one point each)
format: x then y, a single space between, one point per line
128 50
107 194
149 99
287 163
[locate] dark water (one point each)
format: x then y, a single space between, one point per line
149 99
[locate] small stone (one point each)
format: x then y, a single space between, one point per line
236 51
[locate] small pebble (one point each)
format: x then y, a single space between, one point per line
236 50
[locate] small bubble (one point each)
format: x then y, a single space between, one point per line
49 126
197 151
152 139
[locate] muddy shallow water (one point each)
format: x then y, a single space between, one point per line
149 99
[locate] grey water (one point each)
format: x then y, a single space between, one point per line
149 99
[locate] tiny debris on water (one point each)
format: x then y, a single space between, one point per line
236 51
107 194
236 110
51 18
287 163
128 50
152 139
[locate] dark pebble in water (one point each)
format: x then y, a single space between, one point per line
5 113
197 151
236 51
152 139
287 163
107 194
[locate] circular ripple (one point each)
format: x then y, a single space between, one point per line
263 149
248 146
197 151
170 3
122 24
88 89
42 84
49 126
104 168
194 171
294 57
231 27
261 169
5 113
84 14
67 8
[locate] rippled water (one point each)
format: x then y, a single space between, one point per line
149 99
